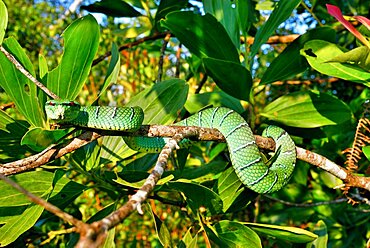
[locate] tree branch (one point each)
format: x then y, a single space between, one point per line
20 67
202 134
94 234
131 44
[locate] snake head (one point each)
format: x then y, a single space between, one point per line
62 110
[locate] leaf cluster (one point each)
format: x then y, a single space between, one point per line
300 85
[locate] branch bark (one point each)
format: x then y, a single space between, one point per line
200 134
94 234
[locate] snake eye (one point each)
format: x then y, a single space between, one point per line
71 103
51 103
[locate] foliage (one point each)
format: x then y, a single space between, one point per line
311 86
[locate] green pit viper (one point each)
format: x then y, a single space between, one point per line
244 154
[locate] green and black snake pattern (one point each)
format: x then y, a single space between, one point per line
244 153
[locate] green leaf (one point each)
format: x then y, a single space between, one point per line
3 20
202 173
109 240
235 234
87 157
21 90
38 139
166 7
188 241
162 231
115 8
160 103
102 213
38 182
289 63
226 14
11 133
321 231
318 52
227 187
359 56
214 99
281 12
43 66
204 36
245 9
231 77
18 225
113 70
291 234
307 110
366 151
81 40
204 197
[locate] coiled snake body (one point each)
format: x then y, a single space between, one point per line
245 156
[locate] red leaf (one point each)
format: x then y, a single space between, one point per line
337 13
363 20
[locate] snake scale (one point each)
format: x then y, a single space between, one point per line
245 157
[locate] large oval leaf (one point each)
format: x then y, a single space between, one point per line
199 196
11 132
289 63
160 103
204 36
235 234
21 213
226 13
307 110
319 52
228 187
38 139
21 90
81 40
231 77
38 182
19 224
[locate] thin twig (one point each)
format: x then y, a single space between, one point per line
205 134
178 62
161 57
131 44
201 83
306 205
26 73
137 199
7 106
312 13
